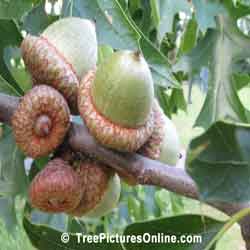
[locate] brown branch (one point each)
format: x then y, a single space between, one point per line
8 105
142 170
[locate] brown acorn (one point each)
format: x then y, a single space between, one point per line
164 143
56 188
98 182
41 121
94 181
116 101
100 185
63 53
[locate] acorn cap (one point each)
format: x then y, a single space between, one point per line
164 143
61 56
56 188
101 187
94 177
109 200
41 121
105 131
122 90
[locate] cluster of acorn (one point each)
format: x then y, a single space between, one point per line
116 102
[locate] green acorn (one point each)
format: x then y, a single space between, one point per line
116 101
62 55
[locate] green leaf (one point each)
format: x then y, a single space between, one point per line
235 218
222 101
37 20
241 80
7 88
158 63
149 207
123 3
177 205
13 179
112 25
219 162
134 208
8 213
200 56
155 12
206 12
167 9
189 37
75 225
104 52
134 6
12 9
12 58
163 99
163 201
236 10
121 33
177 226
169 203
177 101
171 100
12 37
218 51
45 238
142 16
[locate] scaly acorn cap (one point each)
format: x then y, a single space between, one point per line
109 200
64 53
164 144
41 121
56 188
105 130
96 182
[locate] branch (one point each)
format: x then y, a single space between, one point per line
144 171
141 169
8 105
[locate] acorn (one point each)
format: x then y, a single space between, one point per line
116 101
41 121
100 185
164 143
56 188
101 189
62 55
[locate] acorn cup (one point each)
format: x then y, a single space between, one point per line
116 101
101 189
56 188
100 186
164 143
41 121
62 55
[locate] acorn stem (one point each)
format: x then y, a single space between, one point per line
43 126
